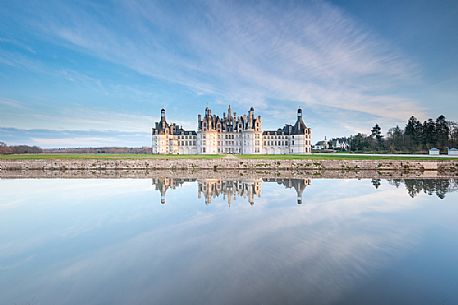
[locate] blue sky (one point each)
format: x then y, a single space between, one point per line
75 73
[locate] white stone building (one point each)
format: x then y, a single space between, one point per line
453 152
434 151
172 139
230 134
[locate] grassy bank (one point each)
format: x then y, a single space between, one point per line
102 156
318 156
171 157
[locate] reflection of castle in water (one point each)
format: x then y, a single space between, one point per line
250 188
229 189
247 189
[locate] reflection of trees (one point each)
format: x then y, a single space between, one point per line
376 183
440 187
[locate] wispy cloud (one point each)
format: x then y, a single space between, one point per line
16 43
10 103
268 55
312 54
74 138
16 115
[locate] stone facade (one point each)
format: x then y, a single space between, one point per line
231 134
172 139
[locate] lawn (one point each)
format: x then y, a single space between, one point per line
102 156
315 156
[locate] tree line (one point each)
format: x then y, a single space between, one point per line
19 149
439 187
414 137
26 149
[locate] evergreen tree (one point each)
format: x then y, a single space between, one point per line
442 132
395 139
409 130
429 134
413 133
376 133
453 134
359 142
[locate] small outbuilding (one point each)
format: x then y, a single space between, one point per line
320 145
434 151
453 152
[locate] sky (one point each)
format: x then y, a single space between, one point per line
97 73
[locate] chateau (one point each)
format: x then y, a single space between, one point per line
231 134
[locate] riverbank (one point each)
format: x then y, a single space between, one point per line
232 163
224 174
315 156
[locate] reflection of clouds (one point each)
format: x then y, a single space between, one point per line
39 190
44 204
208 261
186 252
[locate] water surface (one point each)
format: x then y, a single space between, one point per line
212 241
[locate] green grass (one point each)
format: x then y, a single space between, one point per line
315 156
102 156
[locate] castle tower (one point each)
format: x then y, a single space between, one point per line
229 112
163 122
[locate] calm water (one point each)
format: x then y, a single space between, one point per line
186 241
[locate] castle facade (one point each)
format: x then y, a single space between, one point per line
231 134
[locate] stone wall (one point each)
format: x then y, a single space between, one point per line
449 166
227 174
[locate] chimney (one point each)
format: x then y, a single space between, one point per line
250 118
